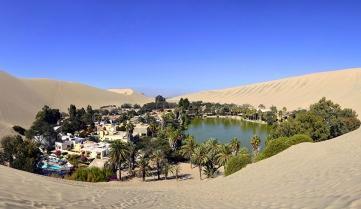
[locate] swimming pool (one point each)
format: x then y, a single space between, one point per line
51 167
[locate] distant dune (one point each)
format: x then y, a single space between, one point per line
343 87
128 92
22 98
319 175
122 91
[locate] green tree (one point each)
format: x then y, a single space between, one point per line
158 157
92 174
235 145
143 163
159 102
132 154
210 163
153 128
261 106
287 128
43 127
184 103
118 155
89 116
176 169
276 146
256 143
129 128
236 163
21 154
198 157
77 120
188 147
313 125
225 153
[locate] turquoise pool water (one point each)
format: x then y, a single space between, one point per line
51 167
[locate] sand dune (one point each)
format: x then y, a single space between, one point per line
343 87
123 91
320 175
22 98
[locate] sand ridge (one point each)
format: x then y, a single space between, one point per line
342 86
23 98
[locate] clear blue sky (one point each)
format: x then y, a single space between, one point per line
176 46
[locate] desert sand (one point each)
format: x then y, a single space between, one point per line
21 99
318 175
341 86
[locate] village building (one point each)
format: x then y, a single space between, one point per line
95 150
141 129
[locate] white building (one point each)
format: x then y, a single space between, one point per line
64 145
141 129
95 150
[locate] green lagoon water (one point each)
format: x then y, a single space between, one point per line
224 129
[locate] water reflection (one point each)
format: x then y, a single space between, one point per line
224 129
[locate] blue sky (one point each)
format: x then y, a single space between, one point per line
176 46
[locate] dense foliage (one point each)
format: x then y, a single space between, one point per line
22 154
236 163
166 145
43 127
324 120
78 119
92 174
276 146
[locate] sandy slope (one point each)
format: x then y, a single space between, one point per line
321 175
343 86
123 91
22 98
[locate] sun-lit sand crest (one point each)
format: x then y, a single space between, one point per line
319 175
22 98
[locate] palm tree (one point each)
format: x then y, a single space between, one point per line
153 127
167 167
211 144
119 153
173 136
255 142
198 158
235 145
131 157
188 148
261 106
210 163
176 171
158 157
143 163
225 153
280 114
129 127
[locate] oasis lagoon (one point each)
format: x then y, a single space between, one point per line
225 129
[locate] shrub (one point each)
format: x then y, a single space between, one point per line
299 138
276 146
91 175
20 153
74 160
236 163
